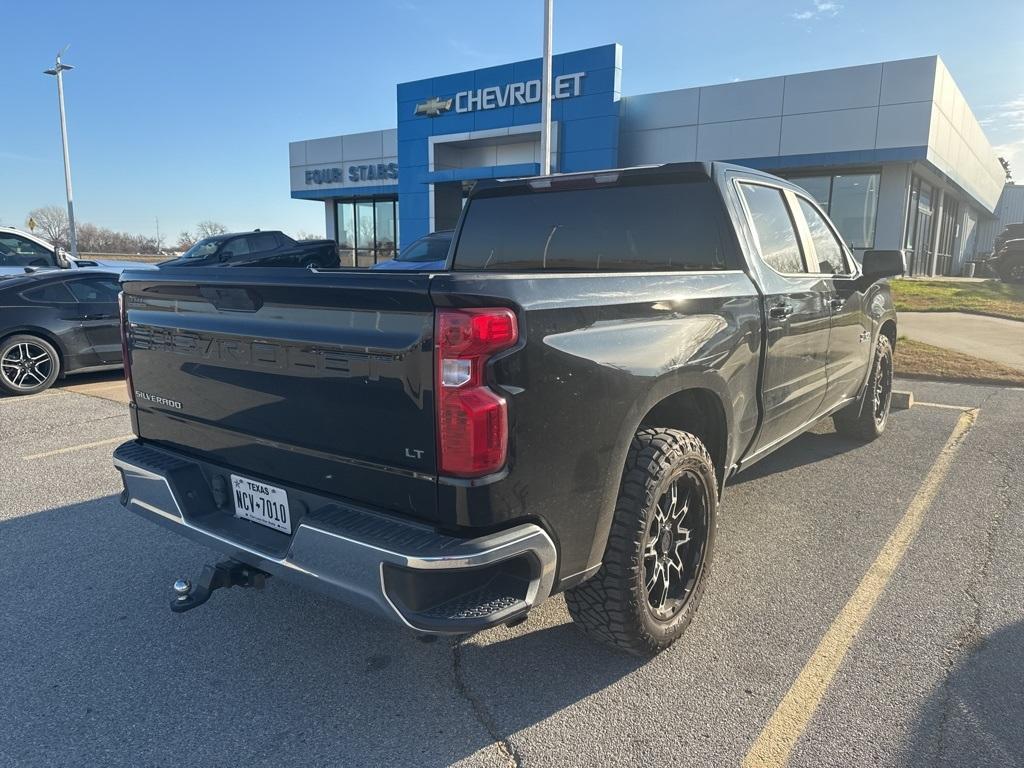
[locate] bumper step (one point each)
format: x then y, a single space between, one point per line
429 580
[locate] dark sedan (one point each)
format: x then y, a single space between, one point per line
56 323
257 249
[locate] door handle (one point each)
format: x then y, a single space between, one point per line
836 303
781 311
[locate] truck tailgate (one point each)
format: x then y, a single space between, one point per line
324 379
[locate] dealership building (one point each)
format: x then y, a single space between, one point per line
892 150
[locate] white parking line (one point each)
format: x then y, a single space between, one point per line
71 448
945 405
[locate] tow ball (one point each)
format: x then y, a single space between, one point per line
227 573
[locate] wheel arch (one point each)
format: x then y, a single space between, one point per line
888 330
699 411
695 401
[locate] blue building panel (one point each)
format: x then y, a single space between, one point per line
504 97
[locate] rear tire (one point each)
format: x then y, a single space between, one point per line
866 421
659 549
28 364
1012 270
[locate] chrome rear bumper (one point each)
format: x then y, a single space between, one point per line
428 580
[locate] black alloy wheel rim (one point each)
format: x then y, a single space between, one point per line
26 365
883 388
674 546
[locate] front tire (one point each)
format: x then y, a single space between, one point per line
659 549
28 364
866 421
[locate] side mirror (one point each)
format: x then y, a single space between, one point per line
225 255
877 265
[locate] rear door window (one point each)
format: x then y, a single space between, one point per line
628 227
776 236
262 242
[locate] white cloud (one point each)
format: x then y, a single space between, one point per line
820 9
1005 123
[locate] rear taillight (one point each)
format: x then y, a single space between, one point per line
472 419
123 312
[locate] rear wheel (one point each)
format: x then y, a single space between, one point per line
1012 270
28 364
866 421
659 549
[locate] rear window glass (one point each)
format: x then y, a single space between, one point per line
675 225
52 292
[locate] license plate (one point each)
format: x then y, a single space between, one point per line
261 503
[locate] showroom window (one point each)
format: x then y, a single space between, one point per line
851 201
366 230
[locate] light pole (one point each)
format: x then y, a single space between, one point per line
545 90
58 71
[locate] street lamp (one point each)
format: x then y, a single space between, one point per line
58 70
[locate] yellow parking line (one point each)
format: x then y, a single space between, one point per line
775 743
77 447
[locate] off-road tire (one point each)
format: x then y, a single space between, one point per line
44 372
865 422
613 606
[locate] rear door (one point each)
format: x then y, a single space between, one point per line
97 310
264 251
849 347
797 313
319 381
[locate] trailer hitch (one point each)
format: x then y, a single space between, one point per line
227 573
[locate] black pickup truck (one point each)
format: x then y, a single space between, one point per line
259 248
557 411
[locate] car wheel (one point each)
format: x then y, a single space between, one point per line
1013 272
28 364
659 549
866 421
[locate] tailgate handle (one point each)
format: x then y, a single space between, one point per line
232 299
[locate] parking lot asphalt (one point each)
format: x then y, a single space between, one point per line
97 670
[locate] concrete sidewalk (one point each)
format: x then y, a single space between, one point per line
990 338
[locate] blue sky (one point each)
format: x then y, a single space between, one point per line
184 111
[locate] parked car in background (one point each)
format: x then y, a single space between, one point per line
557 412
21 250
258 248
1008 255
429 253
54 323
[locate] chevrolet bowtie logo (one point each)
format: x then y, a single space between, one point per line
433 106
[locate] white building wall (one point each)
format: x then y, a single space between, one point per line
892 105
368 148
891 223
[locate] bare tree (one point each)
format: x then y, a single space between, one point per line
208 228
185 240
1006 169
52 223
